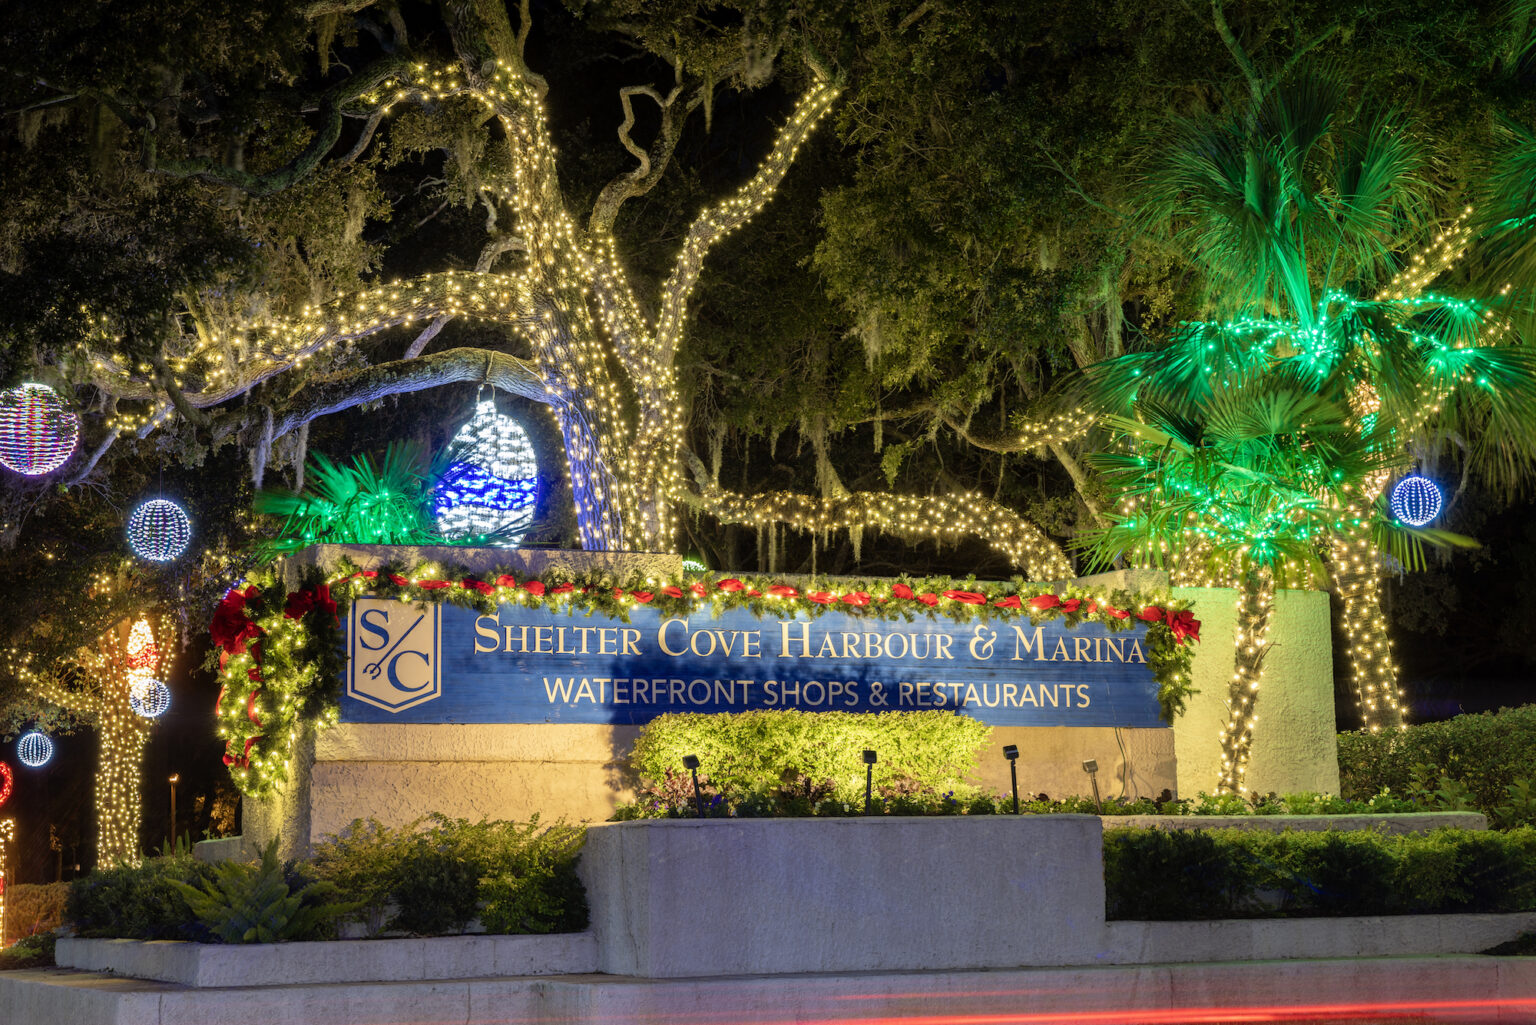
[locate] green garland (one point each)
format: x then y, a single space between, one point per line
279 659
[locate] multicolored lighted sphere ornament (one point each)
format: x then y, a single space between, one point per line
1415 500
492 484
38 431
34 749
150 699
159 530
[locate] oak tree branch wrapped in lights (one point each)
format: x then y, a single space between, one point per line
590 348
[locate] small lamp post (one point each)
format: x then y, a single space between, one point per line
1011 752
691 763
1091 767
175 778
869 778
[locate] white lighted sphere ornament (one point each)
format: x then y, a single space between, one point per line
1415 500
37 430
150 699
159 530
34 749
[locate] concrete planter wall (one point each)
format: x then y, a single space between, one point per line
680 898
212 965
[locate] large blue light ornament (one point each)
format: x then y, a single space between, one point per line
1415 500
159 530
491 485
34 749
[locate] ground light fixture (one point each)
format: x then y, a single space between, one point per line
869 777
1091 767
1011 752
691 763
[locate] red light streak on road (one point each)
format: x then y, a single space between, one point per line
1421 1010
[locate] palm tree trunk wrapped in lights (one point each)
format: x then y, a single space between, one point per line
1255 607
1357 581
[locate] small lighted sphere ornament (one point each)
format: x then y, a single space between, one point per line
1415 500
493 482
34 749
38 431
150 699
159 530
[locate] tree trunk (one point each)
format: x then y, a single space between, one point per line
1357 582
119 800
1255 605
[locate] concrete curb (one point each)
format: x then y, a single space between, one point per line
1493 989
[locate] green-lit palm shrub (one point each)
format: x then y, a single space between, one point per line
1248 482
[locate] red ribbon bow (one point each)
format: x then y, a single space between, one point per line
1183 624
967 597
1044 601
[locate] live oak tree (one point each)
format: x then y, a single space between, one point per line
575 331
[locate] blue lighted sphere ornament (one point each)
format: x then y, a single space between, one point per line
159 530
150 699
34 749
491 486
1415 500
37 430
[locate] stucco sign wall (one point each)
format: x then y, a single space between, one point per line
446 664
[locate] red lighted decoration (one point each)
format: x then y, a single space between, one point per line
6 780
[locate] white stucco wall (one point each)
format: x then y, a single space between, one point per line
1294 742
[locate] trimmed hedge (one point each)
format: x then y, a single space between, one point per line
32 908
754 753
1172 875
1483 754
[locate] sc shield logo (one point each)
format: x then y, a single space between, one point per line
393 654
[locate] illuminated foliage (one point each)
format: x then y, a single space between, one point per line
1249 483
1296 212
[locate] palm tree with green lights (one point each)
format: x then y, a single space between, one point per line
1297 214
1249 481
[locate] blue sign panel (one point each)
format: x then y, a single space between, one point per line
446 664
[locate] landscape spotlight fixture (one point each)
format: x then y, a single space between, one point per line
1091 767
869 777
1011 752
691 763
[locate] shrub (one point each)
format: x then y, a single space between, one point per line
264 902
758 752
32 908
1484 753
436 892
138 902
32 951
1173 874
1154 874
362 863
440 872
